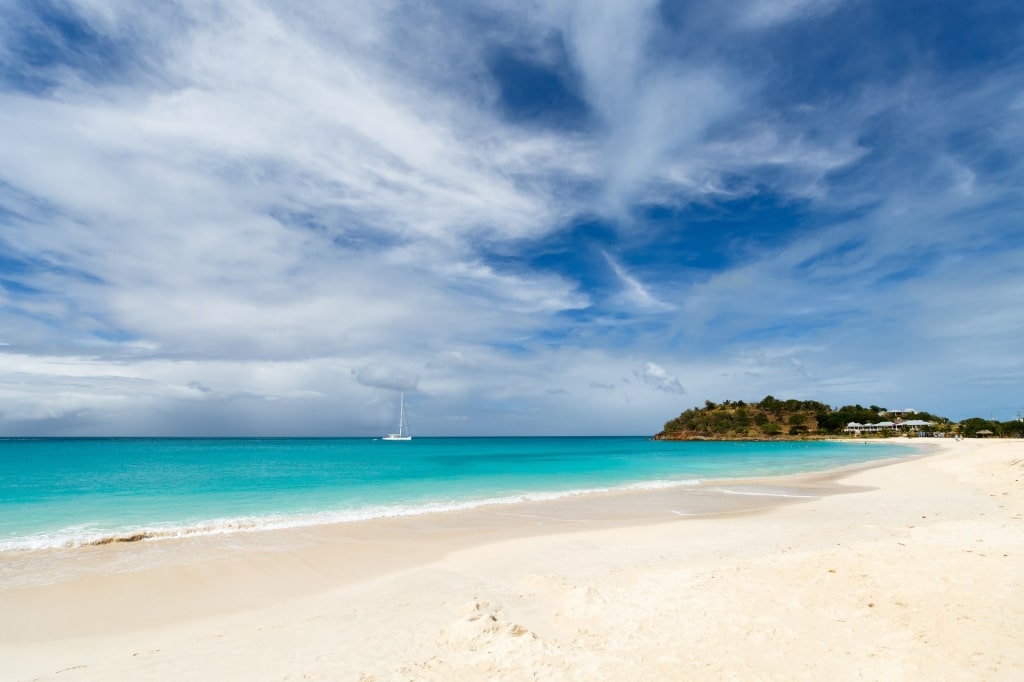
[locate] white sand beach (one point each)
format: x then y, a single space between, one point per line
914 572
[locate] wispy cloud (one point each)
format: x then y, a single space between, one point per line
634 294
761 14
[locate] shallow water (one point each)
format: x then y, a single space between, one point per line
71 492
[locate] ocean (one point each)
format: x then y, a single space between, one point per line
68 492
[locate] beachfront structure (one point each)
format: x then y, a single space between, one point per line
905 426
896 414
857 428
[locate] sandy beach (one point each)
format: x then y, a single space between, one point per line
907 571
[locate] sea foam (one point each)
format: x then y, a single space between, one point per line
86 536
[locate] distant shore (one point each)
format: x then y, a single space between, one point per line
789 438
909 570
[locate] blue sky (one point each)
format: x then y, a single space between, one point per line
267 218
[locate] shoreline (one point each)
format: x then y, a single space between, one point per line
625 506
408 579
67 541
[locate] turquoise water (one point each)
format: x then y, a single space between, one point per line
68 492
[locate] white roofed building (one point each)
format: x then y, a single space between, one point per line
900 413
909 425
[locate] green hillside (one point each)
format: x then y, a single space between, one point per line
773 418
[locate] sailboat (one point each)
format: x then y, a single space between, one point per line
403 429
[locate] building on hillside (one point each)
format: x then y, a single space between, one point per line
918 426
857 429
896 414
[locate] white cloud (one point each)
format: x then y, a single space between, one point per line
655 375
635 294
652 110
265 114
759 14
378 376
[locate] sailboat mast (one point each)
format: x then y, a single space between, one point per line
403 430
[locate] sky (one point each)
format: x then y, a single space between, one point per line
570 217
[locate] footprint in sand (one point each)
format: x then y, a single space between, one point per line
482 625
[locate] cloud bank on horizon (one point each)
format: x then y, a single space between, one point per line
566 217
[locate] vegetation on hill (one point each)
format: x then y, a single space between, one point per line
976 426
770 418
774 418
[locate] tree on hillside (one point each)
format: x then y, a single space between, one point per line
1012 429
929 417
969 428
742 418
835 422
